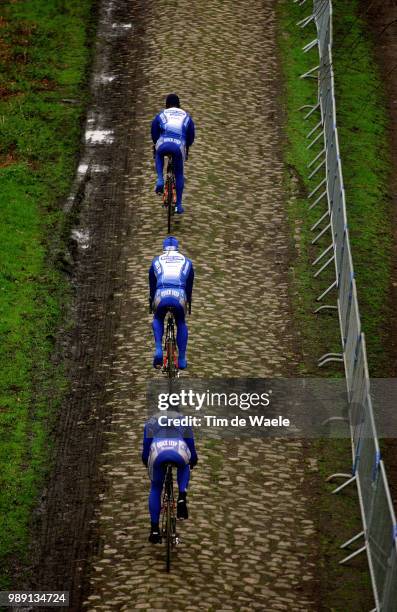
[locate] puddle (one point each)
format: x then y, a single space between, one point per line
122 26
105 78
99 168
82 237
99 136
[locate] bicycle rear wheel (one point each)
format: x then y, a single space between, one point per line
170 520
168 542
171 349
169 202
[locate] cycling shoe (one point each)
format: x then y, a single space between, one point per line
182 363
181 508
158 359
155 536
159 187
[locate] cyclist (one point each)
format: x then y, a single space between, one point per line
171 278
172 134
163 444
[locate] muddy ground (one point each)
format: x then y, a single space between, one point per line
381 16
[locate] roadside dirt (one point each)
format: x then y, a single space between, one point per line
66 529
381 16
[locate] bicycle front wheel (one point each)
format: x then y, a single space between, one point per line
168 542
170 359
169 204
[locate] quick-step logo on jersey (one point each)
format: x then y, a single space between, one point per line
167 139
177 141
162 294
159 446
176 293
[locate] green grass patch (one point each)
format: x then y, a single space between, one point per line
346 587
362 125
361 119
44 55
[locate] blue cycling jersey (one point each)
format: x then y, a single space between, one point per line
164 438
173 271
173 125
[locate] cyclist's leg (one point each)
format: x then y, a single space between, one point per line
177 158
156 488
160 154
167 456
183 475
181 336
158 332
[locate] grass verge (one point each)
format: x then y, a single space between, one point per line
362 124
44 55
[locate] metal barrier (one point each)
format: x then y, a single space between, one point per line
368 472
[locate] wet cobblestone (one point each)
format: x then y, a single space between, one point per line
249 542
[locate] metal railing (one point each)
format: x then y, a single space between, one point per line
379 533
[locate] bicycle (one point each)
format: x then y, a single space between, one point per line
168 525
170 365
169 195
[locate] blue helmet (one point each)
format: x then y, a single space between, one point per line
170 243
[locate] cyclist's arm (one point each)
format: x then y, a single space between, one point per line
190 133
189 283
194 458
152 283
156 129
147 442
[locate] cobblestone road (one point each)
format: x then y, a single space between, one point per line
250 541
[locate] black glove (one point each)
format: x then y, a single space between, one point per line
193 462
144 461
187 153
190 307
150 305
154 151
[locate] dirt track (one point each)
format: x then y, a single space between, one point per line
250 541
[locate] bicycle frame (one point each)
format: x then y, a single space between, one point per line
168 528
169 197
170 366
